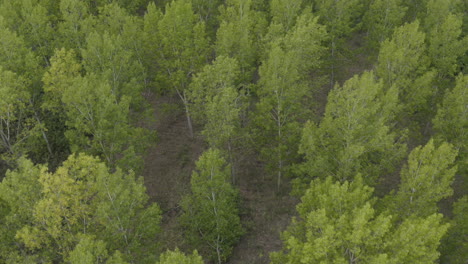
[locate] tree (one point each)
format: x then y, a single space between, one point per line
177 257
72 30
98 123
19 192
426 180
451 123
151 42
210 213
285 13
217 104
338 224
283 90
380 20
446 45
30 20
340 18
107 55
238 35
15 56
402 58
355 135
454 248
183 50
58 214
16 122
403 64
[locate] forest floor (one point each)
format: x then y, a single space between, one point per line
265 212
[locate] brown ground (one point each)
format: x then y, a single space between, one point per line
168 166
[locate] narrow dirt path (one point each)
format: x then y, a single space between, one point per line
169 164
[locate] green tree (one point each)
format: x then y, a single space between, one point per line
72 29
451 123
208 11
177 257
284 89
404 65
354 136
183 50
402 58
338 224
99 124
340 17
30 20
15 56
151 42
16 122
217 104
240 30
380 20
285 12
446 45
89 250
454 248
19 192
210 213
106 55
81 200
426 180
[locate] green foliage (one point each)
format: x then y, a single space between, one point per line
285 12
426 180
404 65
16 123
30 20
339 16
72 30
283 90
402 58
57 215
382 17
107 55
99 124
177 257
454 248
338 224
446 45
15 56
216 102
183 45
354 135
19 192
451 123
240 29
210 213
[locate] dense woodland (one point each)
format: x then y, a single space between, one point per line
357 110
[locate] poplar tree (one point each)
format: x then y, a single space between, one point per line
183 50
425 180
210 213
79 209
283 89
355 135
338 224
240 30
177 257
